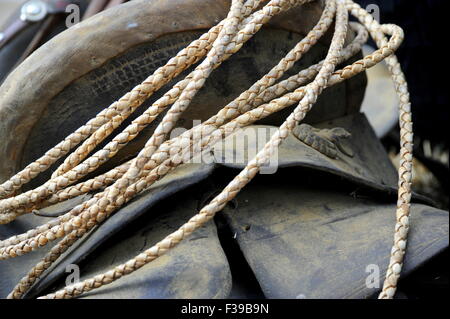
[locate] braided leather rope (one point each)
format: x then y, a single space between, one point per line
161 155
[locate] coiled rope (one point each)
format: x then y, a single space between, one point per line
160 154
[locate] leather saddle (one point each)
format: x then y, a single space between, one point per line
34 22
312 228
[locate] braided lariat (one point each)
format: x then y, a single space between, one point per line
160 154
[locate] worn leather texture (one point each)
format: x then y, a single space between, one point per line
310 230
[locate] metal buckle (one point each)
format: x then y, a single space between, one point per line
34 10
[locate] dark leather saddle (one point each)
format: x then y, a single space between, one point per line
314 228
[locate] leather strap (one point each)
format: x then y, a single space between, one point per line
96 6
11 31
38 37
33 11
52 7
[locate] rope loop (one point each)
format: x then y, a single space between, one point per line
160 154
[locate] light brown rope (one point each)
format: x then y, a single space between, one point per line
254 28
159 155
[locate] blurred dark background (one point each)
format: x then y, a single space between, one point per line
422 56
